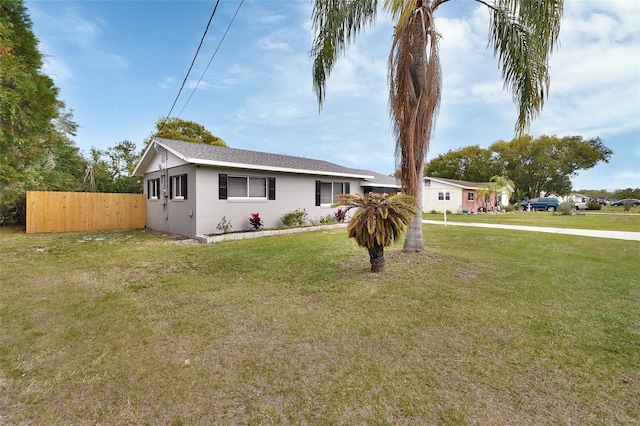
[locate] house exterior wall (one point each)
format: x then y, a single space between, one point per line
155 206
470 206
459 198
293 191
479 202
166 213
181 214
430 201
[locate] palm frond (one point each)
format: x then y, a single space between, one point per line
379 219
523 34
336 23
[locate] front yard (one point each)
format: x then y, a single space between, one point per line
486 327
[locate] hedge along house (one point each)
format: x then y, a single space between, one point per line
191 187
440 194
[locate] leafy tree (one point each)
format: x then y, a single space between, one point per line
470 163
379 220
110 170
522 33
60 169
184 130
63 168
627 193
28 103
547 163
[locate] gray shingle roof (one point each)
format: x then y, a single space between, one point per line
381 180
207 154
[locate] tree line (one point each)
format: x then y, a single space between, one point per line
37 151
536 165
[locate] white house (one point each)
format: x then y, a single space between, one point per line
440 194
191 187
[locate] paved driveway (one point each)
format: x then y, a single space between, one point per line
620 235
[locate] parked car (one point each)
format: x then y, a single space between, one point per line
633 201
541 203
581 205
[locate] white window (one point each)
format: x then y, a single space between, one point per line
247 187
471 196
329 192
178 187
153 189
444 196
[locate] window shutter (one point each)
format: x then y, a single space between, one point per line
148 189
347 188
171 179
184 186
222 186
318 193
271 183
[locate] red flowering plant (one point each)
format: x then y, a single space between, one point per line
256 222
340 215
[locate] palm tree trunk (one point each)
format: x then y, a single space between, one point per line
413 242
376 258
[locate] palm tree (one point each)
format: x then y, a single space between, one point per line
523 33
497 185
379 220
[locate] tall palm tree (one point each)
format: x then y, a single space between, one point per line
523 33
379 220
497 185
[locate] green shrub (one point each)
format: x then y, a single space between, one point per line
567 208
224 225
509 209
296 217
326 220
593 205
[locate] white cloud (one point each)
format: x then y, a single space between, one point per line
72 30
265 43
270 18
595 82
166 83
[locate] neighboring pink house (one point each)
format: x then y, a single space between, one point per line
440 194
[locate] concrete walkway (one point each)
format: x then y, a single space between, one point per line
619 235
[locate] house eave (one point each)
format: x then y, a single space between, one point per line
379 185
143 160
272 168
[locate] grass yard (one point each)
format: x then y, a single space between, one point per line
583 220
486 327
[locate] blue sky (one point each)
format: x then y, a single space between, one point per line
119 66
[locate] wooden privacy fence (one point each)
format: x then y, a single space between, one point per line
83 211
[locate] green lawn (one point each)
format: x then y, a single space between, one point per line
583 220
486 327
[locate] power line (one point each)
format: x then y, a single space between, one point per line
212 56
191 66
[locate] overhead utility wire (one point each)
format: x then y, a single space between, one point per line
190 67
211 60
